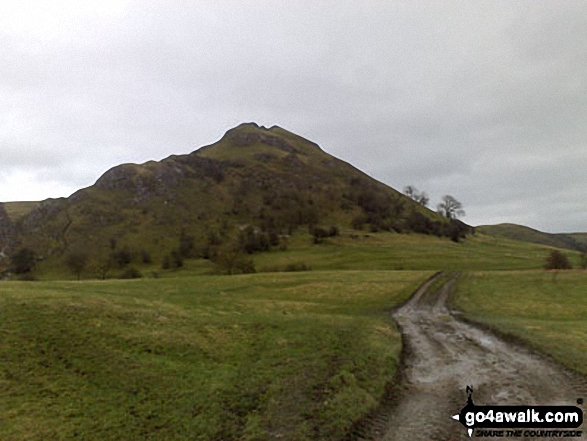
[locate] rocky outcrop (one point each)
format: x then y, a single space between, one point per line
161 178
7 233
247 139
249 134
38 217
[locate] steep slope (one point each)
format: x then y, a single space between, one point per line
270 179
570 241
7 233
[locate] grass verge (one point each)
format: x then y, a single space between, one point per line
546 310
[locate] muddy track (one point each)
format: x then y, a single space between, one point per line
442 355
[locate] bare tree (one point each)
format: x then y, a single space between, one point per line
410 190
232 259
450 207
76 262
557 260
423 199
103 267
413 193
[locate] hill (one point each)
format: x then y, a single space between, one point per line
17 210
569 241
256 185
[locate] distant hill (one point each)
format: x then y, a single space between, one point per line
570 241
268 180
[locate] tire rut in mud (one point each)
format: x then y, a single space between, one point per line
441 356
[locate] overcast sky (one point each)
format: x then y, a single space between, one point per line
483 100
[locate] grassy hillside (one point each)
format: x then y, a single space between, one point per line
287 356
544 309
272 180
17 210
570 241
389 251
353 251
580 238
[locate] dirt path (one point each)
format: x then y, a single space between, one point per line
442 356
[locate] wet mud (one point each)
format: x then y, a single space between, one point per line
442 356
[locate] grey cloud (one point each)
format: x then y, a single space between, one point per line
486 100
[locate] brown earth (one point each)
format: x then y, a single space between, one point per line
442 355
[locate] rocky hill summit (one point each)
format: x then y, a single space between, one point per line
269 180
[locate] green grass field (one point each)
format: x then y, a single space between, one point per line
293 356
547 310
364 251
389 251
186 354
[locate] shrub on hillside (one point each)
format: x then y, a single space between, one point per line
419 223
176 258
101 266
319 234
557 260
76 261
273 238
231 259
187 245
121 257
131 273
334 231
146 257
251 240
457 230
23 261
359 221
172 260
299 266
